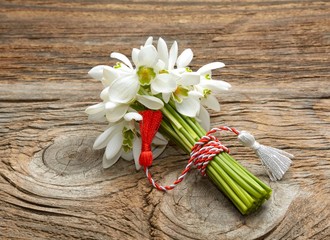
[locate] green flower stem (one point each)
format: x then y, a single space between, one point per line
245 190
226 188
174 137
180 118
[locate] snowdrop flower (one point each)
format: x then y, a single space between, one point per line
186 102
207 85
149 71
120 139
113 138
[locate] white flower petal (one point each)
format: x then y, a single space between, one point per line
157 150
123 90
137 144
123 70
103 139
166 97
128 156
147 56
211 102
132 115
109 75
108 162
185 58
178 72
117 112
159 139
204 118
162 51
96 108
110 106
160 65
150 102
104 95
99 117
189 107
97 72
163 83
195 94
209 67
123 58
135 54
149 41
173 55
215 85
114 145
190 78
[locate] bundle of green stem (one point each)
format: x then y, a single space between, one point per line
245 190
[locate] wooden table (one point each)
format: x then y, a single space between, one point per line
52 185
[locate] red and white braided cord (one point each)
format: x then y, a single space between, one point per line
201 154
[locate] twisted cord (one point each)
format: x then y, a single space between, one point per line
201 154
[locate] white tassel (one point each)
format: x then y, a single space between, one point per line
275 161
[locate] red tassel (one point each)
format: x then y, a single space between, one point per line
148 127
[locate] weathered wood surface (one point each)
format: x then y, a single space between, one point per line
52 185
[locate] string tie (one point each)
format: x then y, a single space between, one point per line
275 161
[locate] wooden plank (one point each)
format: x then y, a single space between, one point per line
52 185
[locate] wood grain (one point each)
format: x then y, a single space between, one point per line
52 185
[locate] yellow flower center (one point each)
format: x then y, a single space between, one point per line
145 74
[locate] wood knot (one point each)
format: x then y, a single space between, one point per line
72 154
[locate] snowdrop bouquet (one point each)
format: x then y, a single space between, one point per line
159 88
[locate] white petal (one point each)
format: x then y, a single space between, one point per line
157 150
209 67
104 95
123 58
149 41
114 145
173 55
204 118
178 72
132 115
109 75
97 72
195 94
189 107
211 102
137 144
106 163
117 112
190 78
166 97
215 85
159 139
96 108
163 83
160 65
135 54
162 51
128 156
147 56
150 102
103 139
99 117
124 89
123 70
110 106
185 58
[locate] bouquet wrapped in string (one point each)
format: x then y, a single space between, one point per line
159 98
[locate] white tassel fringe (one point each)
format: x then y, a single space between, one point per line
275 161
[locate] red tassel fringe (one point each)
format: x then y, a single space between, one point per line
148 128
